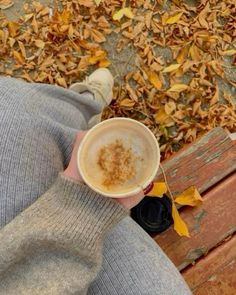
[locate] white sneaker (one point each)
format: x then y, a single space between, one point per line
100 84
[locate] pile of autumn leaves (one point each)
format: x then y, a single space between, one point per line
177 97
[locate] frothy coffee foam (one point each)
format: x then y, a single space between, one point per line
131 154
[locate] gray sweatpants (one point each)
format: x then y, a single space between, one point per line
38 124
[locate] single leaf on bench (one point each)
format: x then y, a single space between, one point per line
190 197
159 188
179 225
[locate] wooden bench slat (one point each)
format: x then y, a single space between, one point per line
208 269
203 163
209 224
223 284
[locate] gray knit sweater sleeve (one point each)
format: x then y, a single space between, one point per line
55 245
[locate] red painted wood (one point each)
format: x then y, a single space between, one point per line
208 270
222 283
209 224
203 163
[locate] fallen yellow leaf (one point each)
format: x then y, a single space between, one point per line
178 88
123 12
195 53
154 79
161 116
158 189
190 197
98 56
171 68
12 28
104 63
18 57
179 225
174 18
181 57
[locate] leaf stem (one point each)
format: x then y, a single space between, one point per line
167 185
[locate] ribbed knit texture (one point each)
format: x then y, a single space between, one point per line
68 220
50 248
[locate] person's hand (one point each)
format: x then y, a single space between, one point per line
72 171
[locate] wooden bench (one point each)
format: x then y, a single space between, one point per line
207 260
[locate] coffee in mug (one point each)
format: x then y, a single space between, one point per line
118 157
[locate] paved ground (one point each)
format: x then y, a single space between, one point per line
125 60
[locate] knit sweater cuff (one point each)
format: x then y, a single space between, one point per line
81 212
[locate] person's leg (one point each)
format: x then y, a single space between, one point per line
133 264
37 126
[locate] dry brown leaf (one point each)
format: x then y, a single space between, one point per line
71 31
97 2
203 22
190 136
215 97
49 61
131 92
170 107
22 49
40 43
148 18
12 41
178 88
5 4
196 107
139 78
35 25
154 79
199 37
127 103
97 36
215 65
86 3
62 82
27 17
